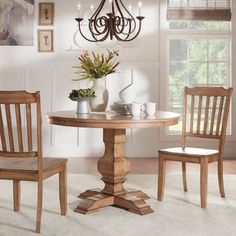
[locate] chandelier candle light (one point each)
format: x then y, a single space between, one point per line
119 23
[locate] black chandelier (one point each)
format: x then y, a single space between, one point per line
118 23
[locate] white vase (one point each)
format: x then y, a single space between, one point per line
99 103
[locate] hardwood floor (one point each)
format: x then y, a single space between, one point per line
145 166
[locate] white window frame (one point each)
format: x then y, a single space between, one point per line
165 35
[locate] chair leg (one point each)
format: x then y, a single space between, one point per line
39 206
16 194
203 181
221 178
63 190
161 177
184 176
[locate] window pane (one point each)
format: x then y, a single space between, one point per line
178 73
197 74
218 49
197 25
178 49
177 127
178 25
218 74
177 3
198 50
200 25
197 3
175 97
218 25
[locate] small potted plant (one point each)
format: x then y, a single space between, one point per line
82 97
95 67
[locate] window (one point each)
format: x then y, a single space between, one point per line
198 54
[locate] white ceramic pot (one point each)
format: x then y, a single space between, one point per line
99 103
82 104
83 107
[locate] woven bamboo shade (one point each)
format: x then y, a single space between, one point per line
216 10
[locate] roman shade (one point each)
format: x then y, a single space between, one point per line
214 10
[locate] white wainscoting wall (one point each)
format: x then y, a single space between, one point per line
24 68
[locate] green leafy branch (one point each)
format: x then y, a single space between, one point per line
93 66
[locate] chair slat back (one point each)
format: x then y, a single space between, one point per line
205 112
15 107
2 132
29 126
19 127
9 126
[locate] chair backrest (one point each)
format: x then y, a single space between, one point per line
205 113
16 108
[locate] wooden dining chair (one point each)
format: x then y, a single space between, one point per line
205 115
21 151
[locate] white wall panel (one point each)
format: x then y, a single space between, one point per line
61 86
12 78
38 77
51 73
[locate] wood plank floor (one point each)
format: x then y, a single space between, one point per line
146 166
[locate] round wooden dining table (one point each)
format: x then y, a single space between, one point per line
113 165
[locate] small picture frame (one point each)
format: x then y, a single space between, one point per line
46 13
45 41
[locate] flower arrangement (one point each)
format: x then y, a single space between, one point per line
94 66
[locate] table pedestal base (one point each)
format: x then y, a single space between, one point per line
132 200
114 167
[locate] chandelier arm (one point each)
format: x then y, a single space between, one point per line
121 17
126 9
119 28
102 22
100 34
120 24
139 29
127 35
96 26
97 35
96 32
104 37
123 25
90 40
130 30
91 27
94 17
112 8
96 13
134 26
129 24
128 40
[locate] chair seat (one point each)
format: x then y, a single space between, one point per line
190 151
29 164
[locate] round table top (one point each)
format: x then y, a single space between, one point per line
112 120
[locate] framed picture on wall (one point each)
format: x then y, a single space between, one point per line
17 23
46 13
45 41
